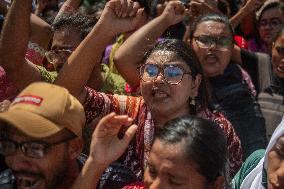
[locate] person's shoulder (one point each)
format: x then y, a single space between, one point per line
6 179
47 76
250 163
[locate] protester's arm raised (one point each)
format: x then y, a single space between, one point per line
250 7
105 148
131 53
118 16
13 45
41 32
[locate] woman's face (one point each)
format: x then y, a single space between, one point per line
164 99
212 42
168 168
269 24
275 170
278 56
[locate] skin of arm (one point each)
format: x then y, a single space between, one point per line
131 53
41 32
105 148
116 18
13 45
247 9
69 6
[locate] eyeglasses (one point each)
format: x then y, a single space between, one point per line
280 50
221 43
33 149
172 74
58 55
273 22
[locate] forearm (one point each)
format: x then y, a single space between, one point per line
15 35
131 53
69 6
89 176
239 16
41 32
77 71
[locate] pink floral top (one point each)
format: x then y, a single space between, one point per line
7 90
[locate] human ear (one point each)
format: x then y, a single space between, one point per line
219 183
75 148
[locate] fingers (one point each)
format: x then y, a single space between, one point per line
124 8
111 125
129 134
135 9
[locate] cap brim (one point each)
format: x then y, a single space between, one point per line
30 124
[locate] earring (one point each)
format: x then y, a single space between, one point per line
192 106
192 102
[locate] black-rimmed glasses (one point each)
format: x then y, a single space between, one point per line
58 55
33 149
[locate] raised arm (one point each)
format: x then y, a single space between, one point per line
105 148
69 6
131 53
247 9
41 32
117 17
13 45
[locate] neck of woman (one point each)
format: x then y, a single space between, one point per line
161 119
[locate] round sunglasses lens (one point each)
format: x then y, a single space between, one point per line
150 72
173 74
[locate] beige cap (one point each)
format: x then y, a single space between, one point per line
43 109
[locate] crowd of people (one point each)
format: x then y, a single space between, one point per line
129 94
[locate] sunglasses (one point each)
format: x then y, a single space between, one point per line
221 43
172 74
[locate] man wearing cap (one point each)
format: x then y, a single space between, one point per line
40 136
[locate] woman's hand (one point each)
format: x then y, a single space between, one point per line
199 7
174 12
253 5
106 146
120 16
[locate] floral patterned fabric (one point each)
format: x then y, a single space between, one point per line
8 91
99 104
137 185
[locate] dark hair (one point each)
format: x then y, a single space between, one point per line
260 12
74 21
267 6
204 143
210 17
186 53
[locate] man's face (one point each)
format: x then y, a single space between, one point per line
45 173
64 40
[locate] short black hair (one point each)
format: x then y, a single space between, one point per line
211 17
204 143
81 23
